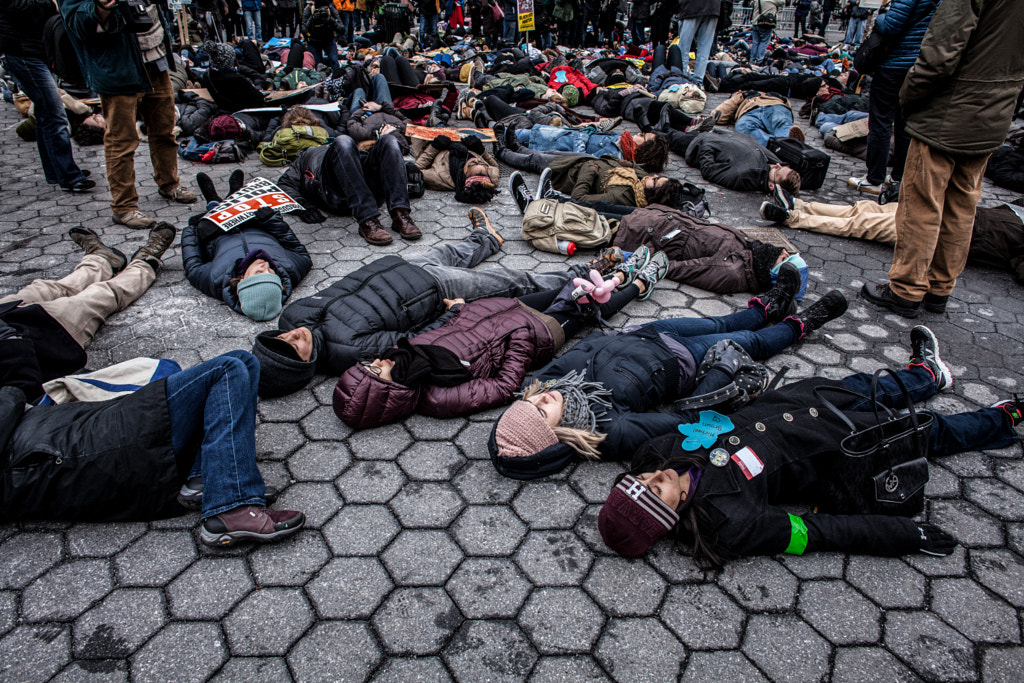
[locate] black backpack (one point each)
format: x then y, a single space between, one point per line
61 57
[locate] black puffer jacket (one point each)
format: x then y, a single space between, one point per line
367 312
210 265
732 160
35 348
310 186
193 111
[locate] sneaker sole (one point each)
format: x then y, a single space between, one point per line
944 373
867 189
232 537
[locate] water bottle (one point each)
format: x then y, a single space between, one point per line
566 247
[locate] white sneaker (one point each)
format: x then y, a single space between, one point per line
863 185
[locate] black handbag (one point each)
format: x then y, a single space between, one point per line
883 468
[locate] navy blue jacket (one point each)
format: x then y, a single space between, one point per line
210 265
909 20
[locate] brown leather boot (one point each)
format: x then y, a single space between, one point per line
403 224
373 232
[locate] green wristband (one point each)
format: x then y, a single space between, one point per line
797 536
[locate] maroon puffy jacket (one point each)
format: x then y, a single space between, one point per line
501 340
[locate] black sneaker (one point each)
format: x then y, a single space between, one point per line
520 193
633 265
544 184
783 198
190 495
778 302
924 353
652 273
774 213
828 307
498 129
1013 407
882 295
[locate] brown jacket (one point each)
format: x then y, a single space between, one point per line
583 179
738 105
960 95
434 164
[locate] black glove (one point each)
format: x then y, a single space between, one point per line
442 142
473 144
311 215
935 541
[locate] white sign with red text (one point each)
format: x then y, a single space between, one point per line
243 205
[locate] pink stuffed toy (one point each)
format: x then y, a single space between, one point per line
598 289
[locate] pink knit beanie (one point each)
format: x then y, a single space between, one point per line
522 431
633 518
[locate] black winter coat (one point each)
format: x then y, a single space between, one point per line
103 461
641 373
39 349
367 312
210 264
309 182
194 111
732 160
232 91
21 27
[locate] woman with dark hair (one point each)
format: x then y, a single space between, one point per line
464 166
722 497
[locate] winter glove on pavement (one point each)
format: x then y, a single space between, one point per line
311 215
473 144
442 142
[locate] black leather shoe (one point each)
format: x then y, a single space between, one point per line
882 295
933 303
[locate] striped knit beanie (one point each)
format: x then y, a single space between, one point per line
633 518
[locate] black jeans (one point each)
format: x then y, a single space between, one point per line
498 109
884 120
397 69
365 180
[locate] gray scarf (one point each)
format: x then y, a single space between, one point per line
581 401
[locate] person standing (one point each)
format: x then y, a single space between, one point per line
958 100
858 20
320 23
21 40
904 25
253 22
129 66
347 12
763 20
827 8
801 10
698 19
429 11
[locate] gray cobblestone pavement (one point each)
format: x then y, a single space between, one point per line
420 563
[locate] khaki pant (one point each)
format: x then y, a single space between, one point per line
83 300
866 220
156 109
934 221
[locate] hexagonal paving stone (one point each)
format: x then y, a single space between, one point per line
488 530
287 408
1002 665
416 621
490 651
480 484
100 671
66 591
967 524
26 556
888 582
361 530
554 558
561 620
116 627
349 588
155 559
35 652
1002 572
640 650
421 558
427 505
711 667
934 650
166 658
804 656
815 565
322 424
759 584
839 612
101 540
319 461
9 611
593 480
318 501
371 482
576 668
488 588
399 670
249 669
431 461
289 563
335 651
548 505
276 441
267 622
625 588
856 664
971 610
382 443
424 428
703 617
676 566
209 588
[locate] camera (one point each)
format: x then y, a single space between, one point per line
131 16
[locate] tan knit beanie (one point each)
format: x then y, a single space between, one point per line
522 432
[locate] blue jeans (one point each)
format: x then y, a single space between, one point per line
510 32
826 122
52 138
855 31
982 429
347 29
428 27
704 30
212 409
760 36
700 334
253 29
766 122
381 93
325 53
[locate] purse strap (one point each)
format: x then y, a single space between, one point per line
903 389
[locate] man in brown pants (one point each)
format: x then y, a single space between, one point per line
126 57
958 100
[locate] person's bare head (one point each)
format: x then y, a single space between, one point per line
785 177
299 116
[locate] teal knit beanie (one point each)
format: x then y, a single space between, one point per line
260 296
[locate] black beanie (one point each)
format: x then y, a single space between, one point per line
282 372
765 256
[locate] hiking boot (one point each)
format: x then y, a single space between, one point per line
520 193
828 307
479 220
250 523
711 83
135 220
1013 407
632 266
438 114
655 269
511 142
190 495
373 232
607 261
797 133
933 303
403 224
607 125
924 353
544 184
160 237
882 295
863 185
91 243
773 212
180 195
207 188
890 193
779 301
236 180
